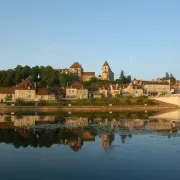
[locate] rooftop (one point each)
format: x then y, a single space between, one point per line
89 73
106 64
26 84
7 90
76 65
77 85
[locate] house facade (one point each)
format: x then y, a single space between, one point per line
76 91
133 89
26 91
155 88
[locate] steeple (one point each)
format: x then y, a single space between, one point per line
106 64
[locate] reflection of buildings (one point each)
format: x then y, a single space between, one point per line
131 124
107 139
88 136
76 131
158 125
76 122
76 144
25 121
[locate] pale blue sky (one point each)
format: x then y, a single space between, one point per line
142 37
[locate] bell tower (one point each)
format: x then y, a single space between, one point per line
105 71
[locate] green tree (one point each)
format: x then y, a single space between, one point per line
8 98
35 73
167 75
26 71
68 79
124 79
172 79
19 73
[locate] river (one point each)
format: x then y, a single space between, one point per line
126 145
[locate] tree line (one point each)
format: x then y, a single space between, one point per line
49 77
44 76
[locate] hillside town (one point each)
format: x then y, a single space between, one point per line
28 90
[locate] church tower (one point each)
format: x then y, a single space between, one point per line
107 74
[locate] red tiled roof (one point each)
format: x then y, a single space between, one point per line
42 91
26 84
88 73
145 82
77 85
6 90
76 65
154 82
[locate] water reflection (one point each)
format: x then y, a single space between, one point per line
74 131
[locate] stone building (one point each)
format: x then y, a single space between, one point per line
165 79
154 87
77 69
26 91
86 76
7 92
76 91
133 89
106 72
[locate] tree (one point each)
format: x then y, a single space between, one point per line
68 79
167 75
8 98
19 73
172 79
26 71
129 79
35 73
124 79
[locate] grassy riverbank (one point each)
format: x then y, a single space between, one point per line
91 102
106 104
86 108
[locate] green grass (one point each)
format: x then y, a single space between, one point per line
118 101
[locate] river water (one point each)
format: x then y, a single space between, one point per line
89 146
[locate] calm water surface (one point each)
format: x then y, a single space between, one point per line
86 147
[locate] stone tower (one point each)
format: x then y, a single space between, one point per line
107 74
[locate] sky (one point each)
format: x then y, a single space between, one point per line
141 37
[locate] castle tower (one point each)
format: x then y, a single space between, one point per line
107 74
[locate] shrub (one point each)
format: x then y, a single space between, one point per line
20 101
7 119
8 98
